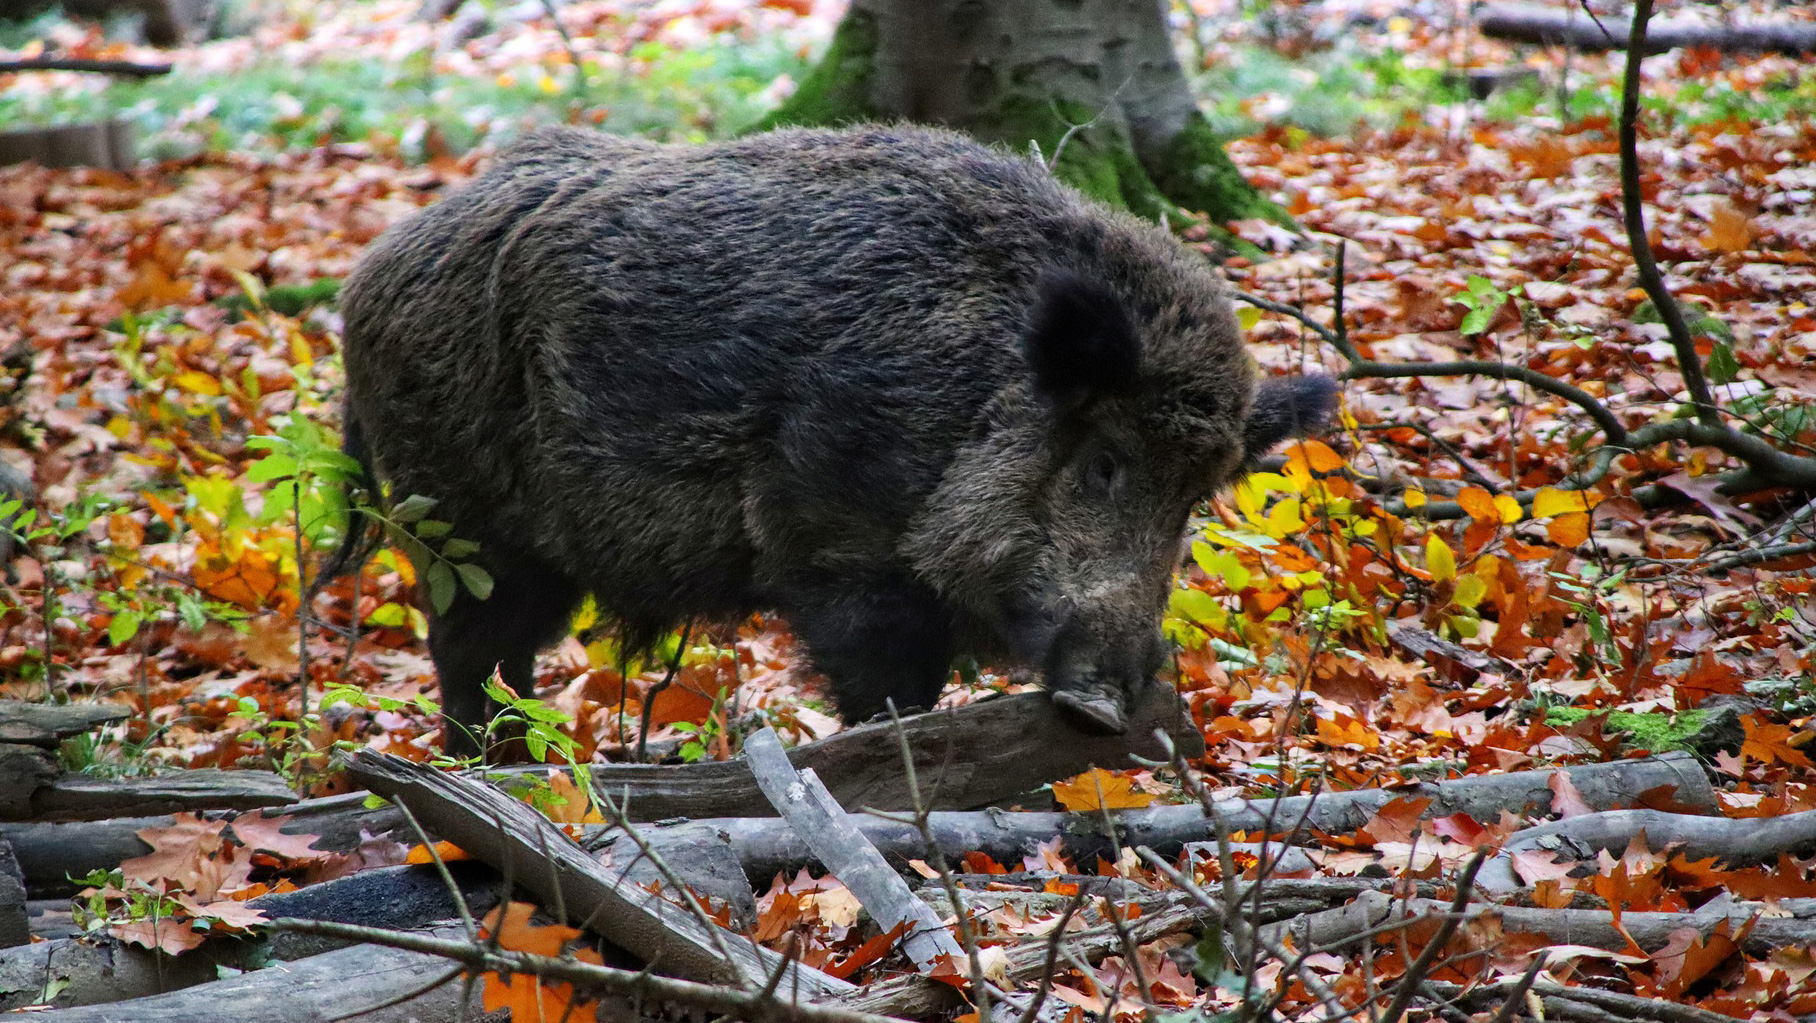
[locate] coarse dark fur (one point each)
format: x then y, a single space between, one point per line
904 389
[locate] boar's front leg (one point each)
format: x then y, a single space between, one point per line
876 639
527 610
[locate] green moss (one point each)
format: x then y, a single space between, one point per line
288 299
1094 155
1097 160
1697 731
837 91
1193 170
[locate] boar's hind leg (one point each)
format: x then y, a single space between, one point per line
527 610
888 640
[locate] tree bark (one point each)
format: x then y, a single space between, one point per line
1092 86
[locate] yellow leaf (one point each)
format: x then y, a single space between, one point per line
1414 498
1284 519
1098 789
1439 559
1551 501
254 289
1508 509
1470 591
1248 316
197 382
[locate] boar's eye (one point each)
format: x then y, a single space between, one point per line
1101 474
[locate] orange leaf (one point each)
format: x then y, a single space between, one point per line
978 863
266 834
1569 529
1317 456
1479 504
528 998
153 288
1729 229
867 953
448 851
177 852
1771 744
569 805
1098 789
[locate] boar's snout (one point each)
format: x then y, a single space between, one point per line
1092 675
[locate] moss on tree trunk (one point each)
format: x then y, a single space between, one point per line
1140 145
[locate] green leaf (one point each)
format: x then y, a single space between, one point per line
389 615
1196 605
412 508
1723 367
455 548
441 586
124 627
477 580
429 529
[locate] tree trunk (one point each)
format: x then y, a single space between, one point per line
1092 86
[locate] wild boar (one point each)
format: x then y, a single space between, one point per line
904 389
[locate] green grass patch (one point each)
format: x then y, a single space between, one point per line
704 92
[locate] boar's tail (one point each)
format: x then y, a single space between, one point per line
362 532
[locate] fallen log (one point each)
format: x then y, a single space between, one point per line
971 756
1735 841
964 757
364 983
34 787
129 68
48 853
47 724
74 972
540 858
98 969
82 797
1335 929
766 847
1525 23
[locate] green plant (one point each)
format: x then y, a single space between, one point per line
46 538
279 737
1483 300
110 900
703 735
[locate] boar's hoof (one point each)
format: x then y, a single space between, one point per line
1098 711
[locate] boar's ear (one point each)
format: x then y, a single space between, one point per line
1288 407
1081 344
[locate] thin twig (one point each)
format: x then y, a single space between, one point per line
1421 967
1634 216
1113 915
649 697
1517 997
618 814
937 859
1055 941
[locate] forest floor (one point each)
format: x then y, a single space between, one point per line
1384 607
